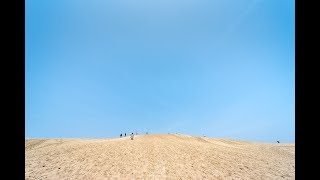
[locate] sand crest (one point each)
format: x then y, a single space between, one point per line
157 156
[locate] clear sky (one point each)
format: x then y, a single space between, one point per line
98 68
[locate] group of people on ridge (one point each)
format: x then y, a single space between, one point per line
131 135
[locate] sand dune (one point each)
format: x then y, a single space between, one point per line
162 156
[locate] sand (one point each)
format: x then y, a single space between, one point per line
157 156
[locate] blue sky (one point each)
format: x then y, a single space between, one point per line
98 68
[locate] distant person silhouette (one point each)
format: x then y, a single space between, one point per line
120 135
131 136
125 134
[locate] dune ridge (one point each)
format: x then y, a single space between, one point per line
157 156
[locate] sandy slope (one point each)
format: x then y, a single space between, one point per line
157 157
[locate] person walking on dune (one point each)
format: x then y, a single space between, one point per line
131 136
125 134
120 135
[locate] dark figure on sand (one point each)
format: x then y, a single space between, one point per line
120 135
125 134
131 136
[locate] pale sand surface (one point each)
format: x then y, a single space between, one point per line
157 156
